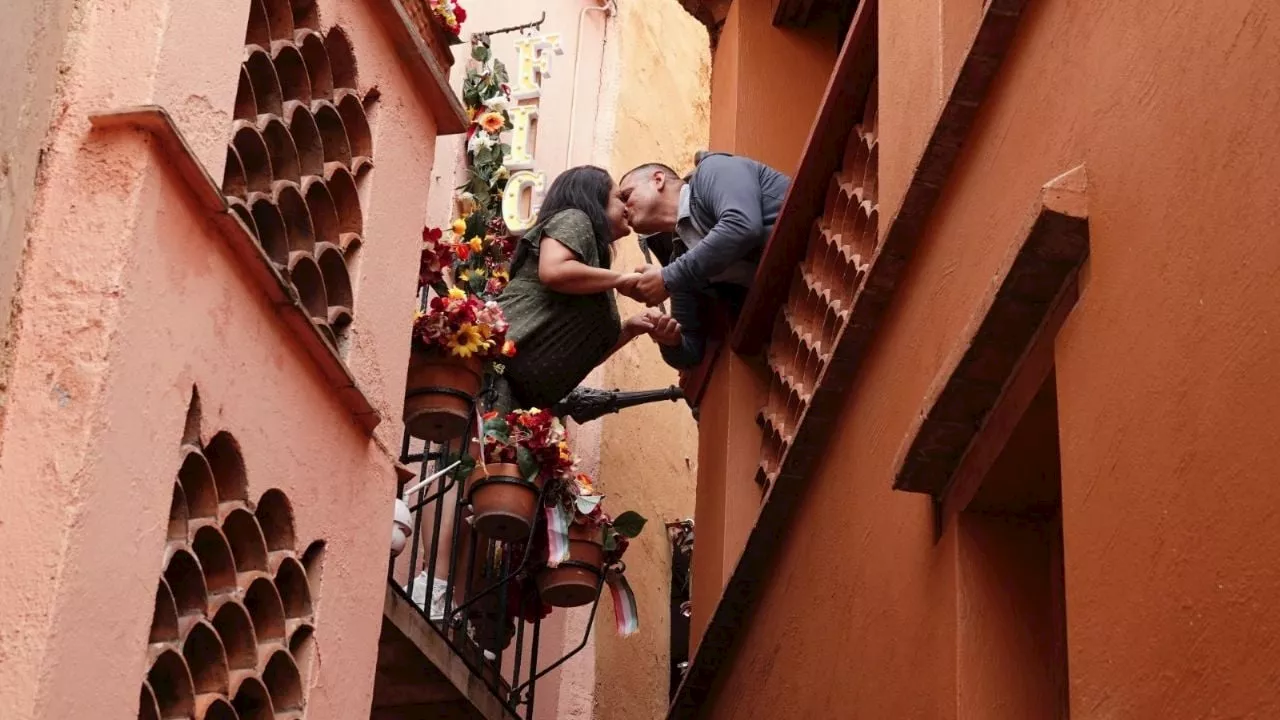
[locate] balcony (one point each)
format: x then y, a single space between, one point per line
778 376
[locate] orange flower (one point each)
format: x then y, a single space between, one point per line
508 349
492 122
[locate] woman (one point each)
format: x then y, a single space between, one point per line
560 301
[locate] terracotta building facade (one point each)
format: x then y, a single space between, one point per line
208 280
211 220
993 435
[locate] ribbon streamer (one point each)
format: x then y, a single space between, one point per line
626 614
557 535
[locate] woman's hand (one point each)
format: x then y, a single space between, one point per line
666 331
637 325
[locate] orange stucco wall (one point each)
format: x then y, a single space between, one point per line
766 84
1167 387
130 297
648 454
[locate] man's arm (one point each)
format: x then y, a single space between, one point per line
730 187
685 308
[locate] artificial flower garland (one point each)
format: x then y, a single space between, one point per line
468 265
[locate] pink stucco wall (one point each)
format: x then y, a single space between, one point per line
129 297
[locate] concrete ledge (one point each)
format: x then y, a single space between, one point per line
433 79
1023 299
405 619
177 152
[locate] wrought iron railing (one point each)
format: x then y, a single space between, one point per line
476 592
465 585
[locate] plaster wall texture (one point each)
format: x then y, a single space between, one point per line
1167 392
766 84
130 297
31 44
649 454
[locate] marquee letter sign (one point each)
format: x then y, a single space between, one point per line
521 198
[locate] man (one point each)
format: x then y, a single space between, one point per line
708 229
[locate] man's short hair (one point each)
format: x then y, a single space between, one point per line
652 167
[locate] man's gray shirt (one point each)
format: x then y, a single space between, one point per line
727 210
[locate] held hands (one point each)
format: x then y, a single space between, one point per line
627 285
662 328
645 285
666 331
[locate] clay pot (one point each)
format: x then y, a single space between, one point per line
431 411
438 39
490 633
503 504
574 583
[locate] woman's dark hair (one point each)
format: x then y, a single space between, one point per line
584 188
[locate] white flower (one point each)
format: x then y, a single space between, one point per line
481 140
497 103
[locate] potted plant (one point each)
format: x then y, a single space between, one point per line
465 268
440 24
585 544
451 342
520 452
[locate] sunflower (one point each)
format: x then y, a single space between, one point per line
464 275
467 341
492 122
457 293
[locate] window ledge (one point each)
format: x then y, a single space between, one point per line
177 152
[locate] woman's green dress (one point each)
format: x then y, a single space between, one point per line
559 338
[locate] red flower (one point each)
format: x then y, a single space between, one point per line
459 14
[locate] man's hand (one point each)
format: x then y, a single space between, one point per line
666 331
650 289
627 285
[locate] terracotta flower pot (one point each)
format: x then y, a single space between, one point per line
491 633
573 584
438 38
503 504
436 404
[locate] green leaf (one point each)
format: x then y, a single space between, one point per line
629 524
587 503
497 429
466 465
528 464
610 541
